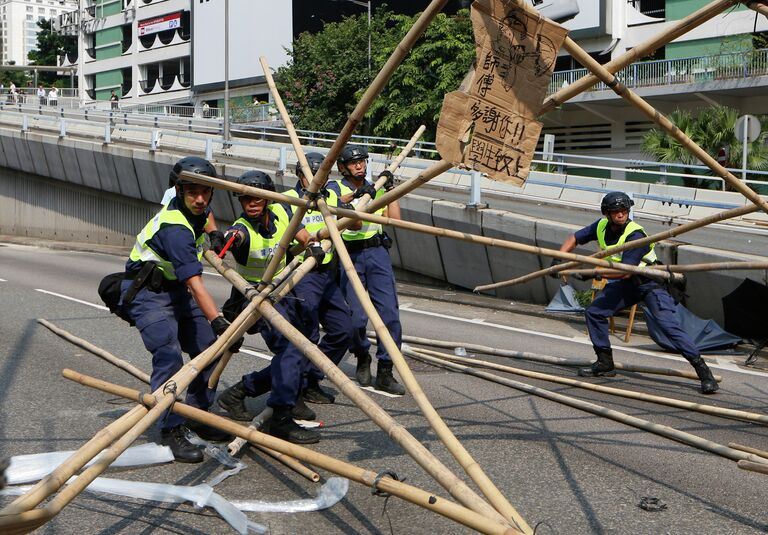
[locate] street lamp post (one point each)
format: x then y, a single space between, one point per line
226 70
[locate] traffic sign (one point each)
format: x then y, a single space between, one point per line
748 124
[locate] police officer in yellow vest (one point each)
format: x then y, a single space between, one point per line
368 245
625 290
257 234
164 296
320 297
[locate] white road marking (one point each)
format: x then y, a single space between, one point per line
94 305
579 340
3 280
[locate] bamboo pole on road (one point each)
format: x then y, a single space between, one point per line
687 227
549 359
433 466
661 400
365 477
593 408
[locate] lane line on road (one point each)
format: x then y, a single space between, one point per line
407 307
94 305
3 280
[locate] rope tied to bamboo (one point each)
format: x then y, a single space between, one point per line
170 388
313 197
376 491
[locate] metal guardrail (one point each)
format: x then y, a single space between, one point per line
668 72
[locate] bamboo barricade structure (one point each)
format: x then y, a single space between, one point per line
20 516
357 115
548 359
661 400
377 481
753 467
646 48
754 451
645 425
425 229
99 352
433 466
681 229
678 268
446 436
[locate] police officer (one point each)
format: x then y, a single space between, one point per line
622 291
321 299
368 245
165 297
257 234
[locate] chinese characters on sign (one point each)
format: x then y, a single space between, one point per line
489 124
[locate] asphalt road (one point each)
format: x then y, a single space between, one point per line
565 470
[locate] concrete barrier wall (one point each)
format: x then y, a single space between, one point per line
104 193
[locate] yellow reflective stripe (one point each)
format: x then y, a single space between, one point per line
631 227
368 230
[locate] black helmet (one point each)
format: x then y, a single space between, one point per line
314 159
616 200
351 153
255 179
191 164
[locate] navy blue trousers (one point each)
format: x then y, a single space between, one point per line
171 322
374 267
282 378
322 303
625 293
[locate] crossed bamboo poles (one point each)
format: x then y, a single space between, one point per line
21 516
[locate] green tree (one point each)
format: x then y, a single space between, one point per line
713 129
19 78
49 47
328 72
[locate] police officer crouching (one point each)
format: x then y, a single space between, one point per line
623 291
165 297
368 245
257 233
320 297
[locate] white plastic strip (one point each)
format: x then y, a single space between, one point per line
329 495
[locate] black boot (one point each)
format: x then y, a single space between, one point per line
603 367
183 450
281 425
207 432
708 383
314 394
300 411
385 381
363 370
232 400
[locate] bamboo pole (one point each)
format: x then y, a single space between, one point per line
426 229
645 425
99 352
660 119
755 451
678 268
446 436
548 359
661 400
357 115
643 49
681 229
433 466
365 477
119 434
753 467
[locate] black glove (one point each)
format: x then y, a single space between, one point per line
362 190
586 276
219 325
316 252
218 241
555 262
345 205
390 183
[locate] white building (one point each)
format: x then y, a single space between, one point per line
172 51
18 20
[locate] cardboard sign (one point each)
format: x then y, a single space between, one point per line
489 124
